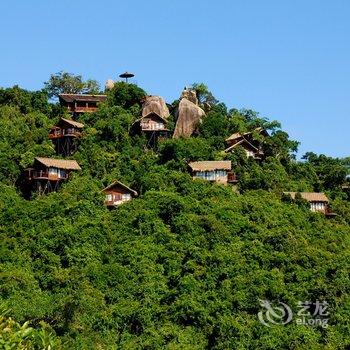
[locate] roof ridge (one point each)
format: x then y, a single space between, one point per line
70 164
72 122
122 185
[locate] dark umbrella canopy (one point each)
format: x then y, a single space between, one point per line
126 75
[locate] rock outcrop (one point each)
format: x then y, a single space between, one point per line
155 104
109 84
189 95
189 115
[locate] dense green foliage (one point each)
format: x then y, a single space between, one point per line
182 266
126 95
66 83
16 336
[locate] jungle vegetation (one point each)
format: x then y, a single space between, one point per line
184 265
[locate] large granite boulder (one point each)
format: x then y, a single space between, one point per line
189 115
109 84
155 104
189 95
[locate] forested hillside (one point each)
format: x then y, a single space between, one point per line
183 265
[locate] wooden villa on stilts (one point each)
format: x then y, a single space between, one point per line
214 171
65 136
153 126
47 174
319 202
80 103
117 193
251 146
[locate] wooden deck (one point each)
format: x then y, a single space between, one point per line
83 109
44 175
57 134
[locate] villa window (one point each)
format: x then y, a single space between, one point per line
126 197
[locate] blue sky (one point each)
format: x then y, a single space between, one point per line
289 60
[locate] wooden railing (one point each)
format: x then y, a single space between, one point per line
84 109
58 133
45 175
41 174
116 202
145 126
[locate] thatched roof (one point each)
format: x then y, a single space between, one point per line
310 196
244 143
234 136
238 135
59 163
153 114
210 165
150 115
117 183
82 97
72 123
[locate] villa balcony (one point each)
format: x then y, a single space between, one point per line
152 127
59 133
44 175
84 109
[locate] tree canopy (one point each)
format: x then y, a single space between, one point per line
184 265
67 83
203 94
